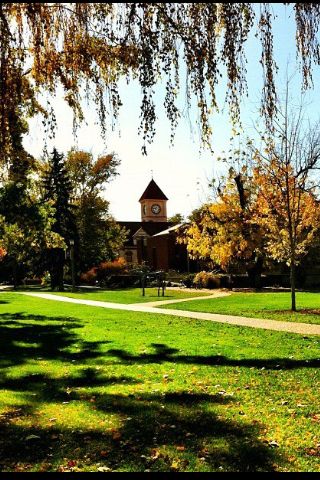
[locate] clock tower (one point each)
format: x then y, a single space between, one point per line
153 204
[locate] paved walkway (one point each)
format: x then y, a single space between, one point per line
292 327
167 302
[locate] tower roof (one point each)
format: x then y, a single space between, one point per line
153 192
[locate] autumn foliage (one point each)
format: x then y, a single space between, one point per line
225 231
266 216
104 270
288 214
87 48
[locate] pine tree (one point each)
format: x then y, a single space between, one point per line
57 190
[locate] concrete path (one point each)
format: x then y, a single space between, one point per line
167 302
292 327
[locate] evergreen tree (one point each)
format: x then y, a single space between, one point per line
57 191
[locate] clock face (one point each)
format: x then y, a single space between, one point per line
155 208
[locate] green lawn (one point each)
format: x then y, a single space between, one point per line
131 295
275 306
88 389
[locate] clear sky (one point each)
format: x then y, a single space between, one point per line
181 171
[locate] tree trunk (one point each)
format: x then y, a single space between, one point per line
293 285
56 269
15 273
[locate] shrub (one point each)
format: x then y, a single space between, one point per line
106 269
90 276
103 271
45 279
188 281
206 280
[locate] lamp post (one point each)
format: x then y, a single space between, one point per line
72 264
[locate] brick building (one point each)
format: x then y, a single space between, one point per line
152 241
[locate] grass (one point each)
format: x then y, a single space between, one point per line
130 295
90 389
274 306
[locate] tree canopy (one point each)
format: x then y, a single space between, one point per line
100 237
87 47
225 231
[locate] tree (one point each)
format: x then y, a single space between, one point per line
224 231
100 237
176 218
89 176
24 240
24 223
57 190
88 47
288 206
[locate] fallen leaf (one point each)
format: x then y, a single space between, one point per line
32 437
104 469
313 452
273 443
316 417
175 465
155 454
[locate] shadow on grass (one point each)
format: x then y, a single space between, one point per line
45 388
175 432
20 342
178 431
164 353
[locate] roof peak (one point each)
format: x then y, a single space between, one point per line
153 192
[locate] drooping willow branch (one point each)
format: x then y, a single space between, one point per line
88 47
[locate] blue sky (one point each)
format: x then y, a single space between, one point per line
181 171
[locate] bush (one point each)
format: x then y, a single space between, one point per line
188 281
122 281
90 277
206 280
104 271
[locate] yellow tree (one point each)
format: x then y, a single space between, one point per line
224 231
289 214
287 204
